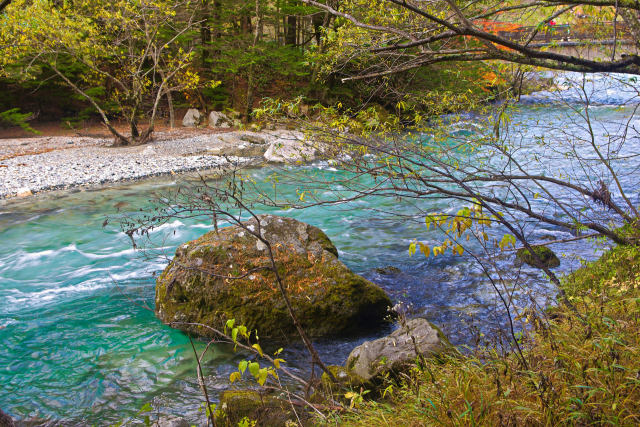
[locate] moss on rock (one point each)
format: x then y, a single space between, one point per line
328 298
264 409
544 254
346 378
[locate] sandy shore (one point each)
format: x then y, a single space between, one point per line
33 165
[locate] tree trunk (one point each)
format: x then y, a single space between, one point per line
630 17
252 70
119 139
217 25
205 32
3 4
277 23
291 30
172 113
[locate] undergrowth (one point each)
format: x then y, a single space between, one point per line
582 365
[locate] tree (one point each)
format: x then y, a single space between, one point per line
130 52
414 34
4 4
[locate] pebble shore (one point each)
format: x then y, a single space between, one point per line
34 165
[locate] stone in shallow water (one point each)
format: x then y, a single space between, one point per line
389 270
327 297
5 420
545 257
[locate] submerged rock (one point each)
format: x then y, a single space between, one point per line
545 257
389 270
396 351
328 298
5 420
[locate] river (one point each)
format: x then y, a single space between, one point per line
79 345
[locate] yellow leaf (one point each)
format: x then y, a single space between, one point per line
235 376
258 348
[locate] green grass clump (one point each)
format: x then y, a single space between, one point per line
580 365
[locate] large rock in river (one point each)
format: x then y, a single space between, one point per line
328 298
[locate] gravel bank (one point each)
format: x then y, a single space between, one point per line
33 165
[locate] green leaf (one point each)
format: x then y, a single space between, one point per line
243 331
230 323
242 366
262 376
254 368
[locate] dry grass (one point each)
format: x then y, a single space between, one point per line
583 367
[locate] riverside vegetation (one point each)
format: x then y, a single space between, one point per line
484 187
582 365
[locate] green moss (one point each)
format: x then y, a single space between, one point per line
546 255
620 264
345 377
318 235
265 409
327 297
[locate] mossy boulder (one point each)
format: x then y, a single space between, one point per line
265 409
327 297
545 257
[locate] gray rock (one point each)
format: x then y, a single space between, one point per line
253 138
328 298
218 119
243 149
291 147
395 351
171 421
241 145
192 118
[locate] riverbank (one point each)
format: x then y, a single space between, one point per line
579 366
34 165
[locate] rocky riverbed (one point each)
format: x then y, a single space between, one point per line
33 165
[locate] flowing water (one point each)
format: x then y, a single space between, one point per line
78 343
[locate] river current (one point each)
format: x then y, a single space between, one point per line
79 345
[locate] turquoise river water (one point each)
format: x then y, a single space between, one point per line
78 346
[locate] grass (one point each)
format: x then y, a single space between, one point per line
581 365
